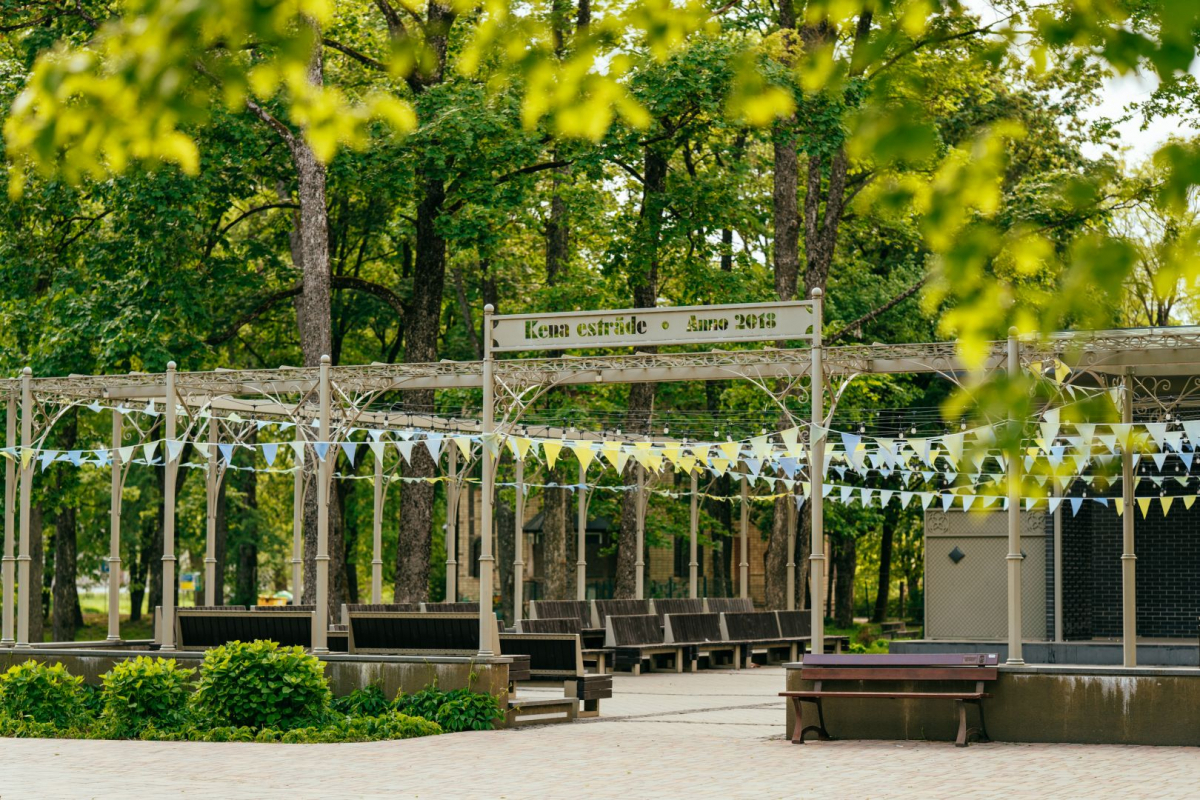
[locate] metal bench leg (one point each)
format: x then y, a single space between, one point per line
980 733
800 729
961 741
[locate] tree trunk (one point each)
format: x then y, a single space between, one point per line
245 582
421 337
554 539
350 537
885 571
845 556
644 282
506 541
37 569
65 591
221 538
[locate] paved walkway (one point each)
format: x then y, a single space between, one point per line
712 734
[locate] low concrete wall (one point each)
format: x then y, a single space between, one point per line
1149 654
345 672
1086 705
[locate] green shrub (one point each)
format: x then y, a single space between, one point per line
468 711
262 685
145 692
93 699
42 693
369 701
391 725
456 710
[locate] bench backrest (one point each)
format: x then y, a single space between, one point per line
676 605
451 608
602 609
550 625
348 607
749 626
900 667
692 628
211 608
793 624
557 609
413 633
300 607
718 605
202 629
633 630
556 655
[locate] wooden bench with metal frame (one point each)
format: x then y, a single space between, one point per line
820 668
636 638
596 656
205 628
591 635
700 635
758 631
558 656
728 605
798 625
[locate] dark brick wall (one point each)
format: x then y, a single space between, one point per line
1168 571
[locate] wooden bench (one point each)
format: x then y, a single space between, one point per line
450 608
201 629
601 609
676 605
348 607
413 633
758 632
798 625
700 635
895 630
968 667
728 605
594 656
558 656
638 637
591 635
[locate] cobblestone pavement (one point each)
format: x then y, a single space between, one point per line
712 734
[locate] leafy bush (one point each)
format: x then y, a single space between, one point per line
42 693
369 701
456 710
391 725
262 685
93 699
145 692
468 711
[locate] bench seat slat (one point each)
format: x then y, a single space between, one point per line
893 695
899 674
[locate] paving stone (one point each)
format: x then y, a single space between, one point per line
713 734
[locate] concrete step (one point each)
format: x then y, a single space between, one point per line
529 711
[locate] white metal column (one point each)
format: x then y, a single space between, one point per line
320 622
210 498
1128 553
10 499
451 536
487 619
170 467
640 507
581 535
816 480
693 551
790 516
377 529
519 541
1014 556
744 566
114 531
1058 570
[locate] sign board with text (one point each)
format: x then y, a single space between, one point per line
646 327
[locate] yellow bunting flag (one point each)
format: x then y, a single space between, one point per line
654 461
612 453
761 447
731 450
583 452
551 449
720 465
687 463
464 445
790 437
1120 505
1144 505
622 460
671 453
27 457
1166 504
1188 499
